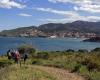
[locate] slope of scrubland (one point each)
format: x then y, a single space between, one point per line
29 72
15 72
64 65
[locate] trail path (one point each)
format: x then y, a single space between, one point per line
60 74
36 72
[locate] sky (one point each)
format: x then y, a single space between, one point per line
23 13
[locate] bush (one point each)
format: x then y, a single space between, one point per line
94 75
5 62
70 50
43 55
76 67
26 48
83 70
91 66
96 49
83 50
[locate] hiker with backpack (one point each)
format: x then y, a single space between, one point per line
25 57
17 56
9 54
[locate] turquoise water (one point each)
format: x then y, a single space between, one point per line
46 44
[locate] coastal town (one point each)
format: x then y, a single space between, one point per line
77 29
37 33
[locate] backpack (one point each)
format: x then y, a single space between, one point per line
17 55
9 54
25 56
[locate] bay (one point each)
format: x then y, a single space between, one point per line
46 44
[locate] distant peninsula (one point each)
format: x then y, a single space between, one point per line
93 39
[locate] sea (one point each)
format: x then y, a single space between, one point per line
46 44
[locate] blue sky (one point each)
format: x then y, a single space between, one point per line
21 13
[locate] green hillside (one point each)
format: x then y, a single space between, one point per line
52 28
57 65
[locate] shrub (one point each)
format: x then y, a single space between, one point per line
94 75
70 50
5 62
91 66
26 48
76 67
83 50
43 55
83 70
96 49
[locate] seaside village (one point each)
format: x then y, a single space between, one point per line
36 33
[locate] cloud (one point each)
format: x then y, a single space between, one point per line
93 18
64 20
53 20
69 15
10 4
25 15
66 1
59 12
92 6
23 1
55 1
73 1
88 8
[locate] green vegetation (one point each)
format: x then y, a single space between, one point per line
15 72
77 26
96 49
82 62
26 48
5 62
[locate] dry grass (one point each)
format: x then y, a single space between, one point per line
60 74
29 72
15 72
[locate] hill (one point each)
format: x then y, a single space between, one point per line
57 65
77 26
53 28
17 31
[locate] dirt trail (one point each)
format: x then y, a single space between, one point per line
60 74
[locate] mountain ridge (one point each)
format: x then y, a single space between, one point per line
52 28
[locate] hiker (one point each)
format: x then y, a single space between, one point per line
13 54
9 54
25 57
17 57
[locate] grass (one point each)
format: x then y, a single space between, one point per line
84 63
4 61
15 72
